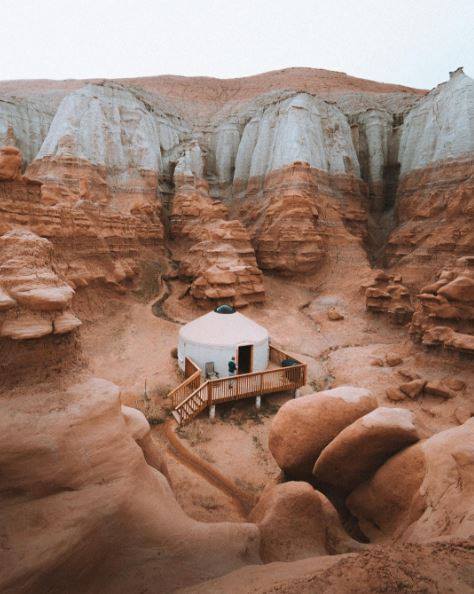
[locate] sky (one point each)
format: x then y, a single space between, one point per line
411 42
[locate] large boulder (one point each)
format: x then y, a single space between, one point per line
424 492
303 427
356 453
297 522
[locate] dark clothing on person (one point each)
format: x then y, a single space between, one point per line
232 366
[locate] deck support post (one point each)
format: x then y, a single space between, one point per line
212 413
258 402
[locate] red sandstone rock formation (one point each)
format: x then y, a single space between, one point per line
10 163
385 294
292 212
285 225
435 211
70 179
91 243
444 314
34 300
434 203
222 264
191 205
217 255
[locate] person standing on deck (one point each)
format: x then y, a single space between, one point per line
232 370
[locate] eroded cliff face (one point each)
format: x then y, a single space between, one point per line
300 128
235 182
24 123
108 144
434 201
92 244
392 169
212 252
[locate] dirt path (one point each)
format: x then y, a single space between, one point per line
157 306
243 501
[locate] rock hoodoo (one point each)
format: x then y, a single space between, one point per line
385 294
10 163
214 253
34 300
445 310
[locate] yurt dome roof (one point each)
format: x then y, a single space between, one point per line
217 329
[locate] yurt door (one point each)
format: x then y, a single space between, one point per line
245 358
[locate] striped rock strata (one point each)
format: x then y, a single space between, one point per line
435 205
214 253
91 243
34 300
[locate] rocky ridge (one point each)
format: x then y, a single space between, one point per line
115 145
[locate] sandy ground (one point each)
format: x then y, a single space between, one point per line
129 345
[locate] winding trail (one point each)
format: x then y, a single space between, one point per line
157 307
242 500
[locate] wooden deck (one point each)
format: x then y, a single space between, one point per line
191 397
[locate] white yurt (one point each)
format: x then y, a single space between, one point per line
219 335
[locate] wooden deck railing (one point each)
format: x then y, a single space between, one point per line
189 403
277 356
256 383
193 379
190 367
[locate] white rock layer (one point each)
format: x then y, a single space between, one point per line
300 128
24 124
440 126
109 125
